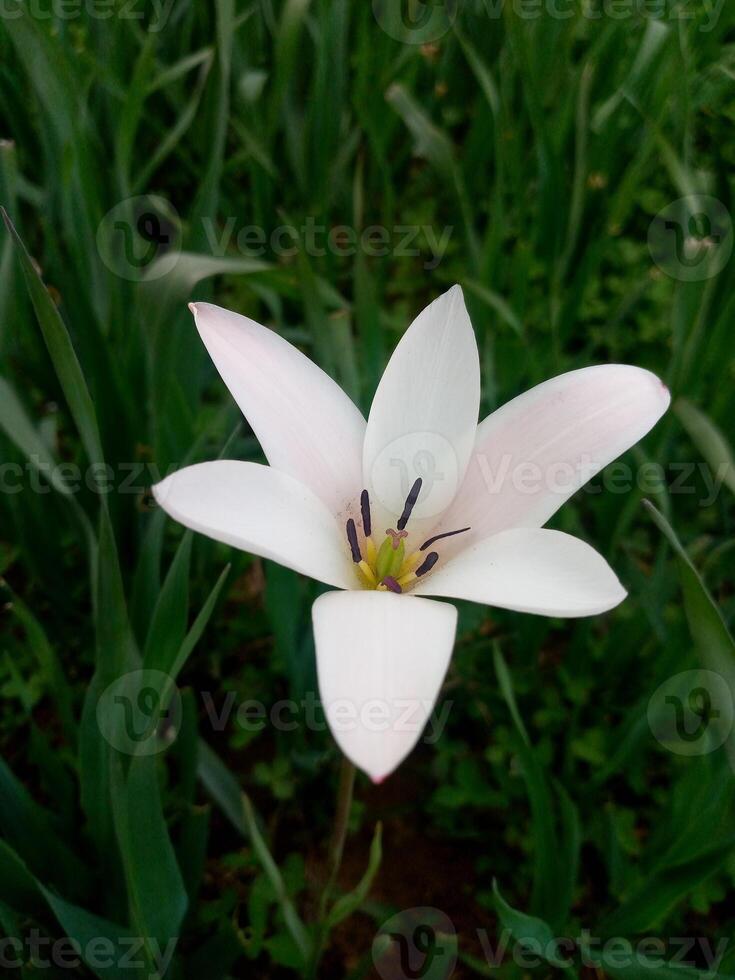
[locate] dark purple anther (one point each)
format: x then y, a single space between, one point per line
352 538
365 508
428 563
438 537
390 583
413 496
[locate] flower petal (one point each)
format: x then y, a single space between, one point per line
306 424
532 454
381 660
531 570
259 509
424 415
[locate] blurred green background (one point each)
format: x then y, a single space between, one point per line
571 166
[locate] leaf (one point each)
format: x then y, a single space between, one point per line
16 424
30 831
198 626
236 806
168 625
61 351
173 136
709 440
192 849
170 279
347 904
506 689
89 930
146 583
156 890
530 931
27 896
661 891
19 428
496 302
17 885
116 648
570 843
521 925
708 628
547 870
434 145
217 114
116 656
48 663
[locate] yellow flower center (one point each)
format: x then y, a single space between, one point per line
388 568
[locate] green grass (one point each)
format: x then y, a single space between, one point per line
547 147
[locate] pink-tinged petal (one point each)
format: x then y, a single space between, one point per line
306 424
381 660
424 416
532 454
531 570
258 509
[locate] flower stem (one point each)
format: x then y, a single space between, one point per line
339 831
334 859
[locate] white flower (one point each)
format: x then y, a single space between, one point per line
419 501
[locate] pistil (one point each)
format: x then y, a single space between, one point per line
388 568
390 556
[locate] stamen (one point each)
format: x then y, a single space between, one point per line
365 508
395 537
438 537
352 538
368 573
390 583
428 563
413 495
